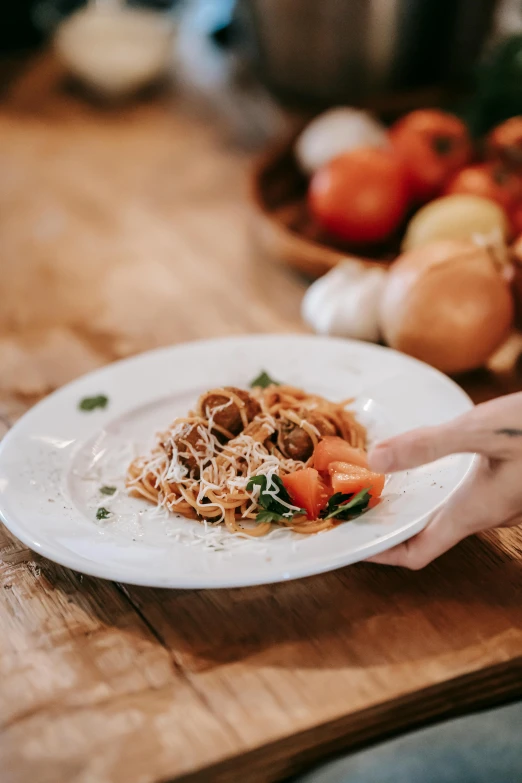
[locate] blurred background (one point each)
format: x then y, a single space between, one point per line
152 168
305 52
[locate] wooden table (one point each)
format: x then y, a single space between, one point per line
119 231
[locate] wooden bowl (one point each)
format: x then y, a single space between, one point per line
283 226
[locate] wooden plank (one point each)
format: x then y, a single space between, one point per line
134 223
264 679
76 639
349 643
86 687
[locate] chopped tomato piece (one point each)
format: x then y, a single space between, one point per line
350 479
334 449
307 490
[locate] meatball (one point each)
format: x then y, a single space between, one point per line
229 418
186 442
296 443
323 425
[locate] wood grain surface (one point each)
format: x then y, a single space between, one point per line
122 230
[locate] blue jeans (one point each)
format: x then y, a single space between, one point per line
482 748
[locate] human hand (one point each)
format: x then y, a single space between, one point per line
490 497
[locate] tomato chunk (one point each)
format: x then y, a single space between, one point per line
307 490
334 449
350 479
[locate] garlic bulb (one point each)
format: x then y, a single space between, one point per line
345 302
334 132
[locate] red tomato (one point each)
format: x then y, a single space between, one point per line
307 490
504 143
334 449
351 479
489 180
433 146
360 196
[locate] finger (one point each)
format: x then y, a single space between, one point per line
514 521
492 429
436 538
469 510
418 447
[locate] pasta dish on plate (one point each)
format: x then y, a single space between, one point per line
272 455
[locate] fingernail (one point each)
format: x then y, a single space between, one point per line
380 459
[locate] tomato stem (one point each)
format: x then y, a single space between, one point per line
443 145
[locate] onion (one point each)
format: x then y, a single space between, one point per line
459 216
447 303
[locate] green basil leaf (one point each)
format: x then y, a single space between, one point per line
270 516
265 500
271 504
253 480
107 490
102 513
356 505
273 516
336 500
283 492
264 380
90 403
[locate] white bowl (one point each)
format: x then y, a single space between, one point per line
115 51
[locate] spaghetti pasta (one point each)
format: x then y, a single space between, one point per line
202 466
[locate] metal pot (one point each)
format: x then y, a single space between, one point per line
345 50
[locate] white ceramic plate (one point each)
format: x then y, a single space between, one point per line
56 458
